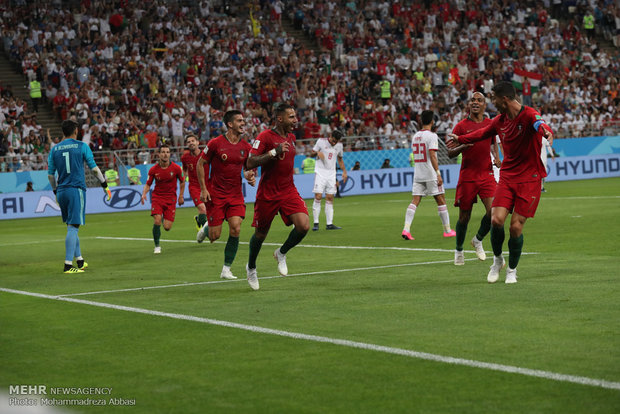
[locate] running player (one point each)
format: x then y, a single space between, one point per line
223 194
520 129
189 159
67 159
274 151
328 150
475 178
164 197
427 177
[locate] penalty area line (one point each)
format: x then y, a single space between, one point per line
554 376
212 282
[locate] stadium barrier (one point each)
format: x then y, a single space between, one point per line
393 180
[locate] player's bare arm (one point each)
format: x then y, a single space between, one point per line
345 177
453 152
200 173
181 200
495 151
258 160
145 191
433 157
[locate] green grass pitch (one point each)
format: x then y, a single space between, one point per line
363 284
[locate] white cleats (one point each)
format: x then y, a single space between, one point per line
281 258
227 274
252 277
479 249
201 235
511 276
459 258
498 264
157 250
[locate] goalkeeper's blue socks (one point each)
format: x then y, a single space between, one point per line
71 244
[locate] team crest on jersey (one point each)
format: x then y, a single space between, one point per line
242 153
170 173
224 157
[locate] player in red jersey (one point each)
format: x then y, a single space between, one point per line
164 196
222 193
520 129
189 159
475 178
274 151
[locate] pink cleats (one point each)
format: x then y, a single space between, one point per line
406 235
450 233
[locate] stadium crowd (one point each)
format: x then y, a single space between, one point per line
134 74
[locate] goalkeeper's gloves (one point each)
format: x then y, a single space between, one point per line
107 191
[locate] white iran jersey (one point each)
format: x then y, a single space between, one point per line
326 167
421 144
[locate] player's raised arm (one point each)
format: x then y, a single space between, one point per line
262 159
475 136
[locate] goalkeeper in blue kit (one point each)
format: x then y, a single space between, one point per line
66 159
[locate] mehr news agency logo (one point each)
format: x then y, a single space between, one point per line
42 395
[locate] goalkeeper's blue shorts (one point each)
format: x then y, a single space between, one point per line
72 202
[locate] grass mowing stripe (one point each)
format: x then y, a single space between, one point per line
594 382
262 278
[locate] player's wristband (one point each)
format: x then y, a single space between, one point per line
104 184
273 152
438 172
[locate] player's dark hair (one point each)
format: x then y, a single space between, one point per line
280 108
427 117
68 127
505 88
337 134
190 136
229 115
164 146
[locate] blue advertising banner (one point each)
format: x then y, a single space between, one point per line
392 180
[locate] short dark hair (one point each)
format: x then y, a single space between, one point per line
280 108
164 146
337 134
68 127
230 115
427 117
505 88
190 136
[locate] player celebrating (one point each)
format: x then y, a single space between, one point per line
223 195
164 197
521 129
67 159
328 150
189 159
427 177
274 151
475 178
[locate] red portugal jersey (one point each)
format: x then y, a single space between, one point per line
476 163
276 181
226 160
522 141
190 162
165 180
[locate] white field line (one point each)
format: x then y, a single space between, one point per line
261 278
594 382
312 246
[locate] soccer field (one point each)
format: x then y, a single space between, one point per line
365 322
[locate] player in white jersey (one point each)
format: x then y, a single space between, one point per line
328 151
427 177
546 149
